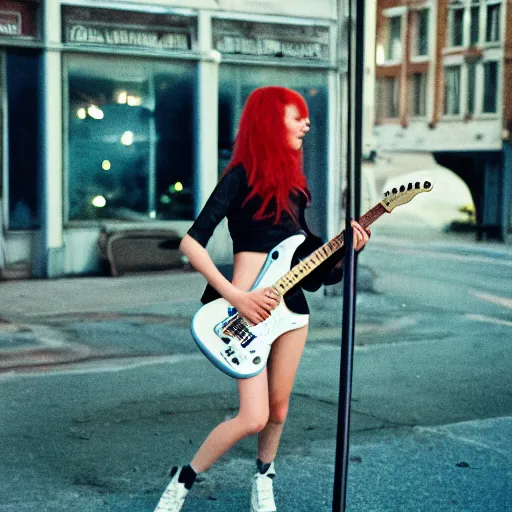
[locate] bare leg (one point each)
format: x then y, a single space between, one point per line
252 417
282 366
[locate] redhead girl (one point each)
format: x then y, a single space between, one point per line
263 193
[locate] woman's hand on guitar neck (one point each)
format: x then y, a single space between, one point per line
256 305
361 235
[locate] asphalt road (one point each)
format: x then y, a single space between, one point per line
433 349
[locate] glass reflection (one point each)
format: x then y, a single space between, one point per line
130 139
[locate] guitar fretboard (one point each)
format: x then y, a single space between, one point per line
307 265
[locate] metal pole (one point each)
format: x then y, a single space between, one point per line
355 39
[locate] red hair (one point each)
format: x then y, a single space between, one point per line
274 169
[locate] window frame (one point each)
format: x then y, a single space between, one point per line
410 79
452 7
476 106
67 57
396 80
394 12
483 9
415 10
474 4
500 20
460 114
478 113
497 92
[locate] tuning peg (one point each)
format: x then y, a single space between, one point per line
386 194
395 191
409 187
417 185
427 184
402 189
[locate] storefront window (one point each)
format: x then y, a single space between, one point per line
236 82
130 139
23 134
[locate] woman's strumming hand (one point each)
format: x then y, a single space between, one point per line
256 305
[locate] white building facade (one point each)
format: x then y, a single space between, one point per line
120 115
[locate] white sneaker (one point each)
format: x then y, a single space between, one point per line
262 493
173 497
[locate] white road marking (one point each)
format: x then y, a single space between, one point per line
102 366
488 319
493 299
444 255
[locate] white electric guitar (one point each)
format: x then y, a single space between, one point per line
241 349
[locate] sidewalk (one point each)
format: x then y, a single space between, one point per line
36 316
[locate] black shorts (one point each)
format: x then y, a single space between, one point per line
296 302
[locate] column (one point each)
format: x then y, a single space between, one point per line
49 261
206 114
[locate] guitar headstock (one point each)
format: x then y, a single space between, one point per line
404 194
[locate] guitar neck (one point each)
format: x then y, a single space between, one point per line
307 265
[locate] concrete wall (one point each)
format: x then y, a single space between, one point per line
482 134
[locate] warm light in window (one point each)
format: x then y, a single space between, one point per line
178 187
134 101
81 113
95 112
380 55
122 97
127 138
105 165
99 202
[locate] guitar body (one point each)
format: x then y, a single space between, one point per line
234 346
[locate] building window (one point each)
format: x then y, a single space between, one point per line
492 32
471 96
236 82
419 32
456 23
131 139
474 29
452 90
490 87
393 47
417 96
387 98
23 102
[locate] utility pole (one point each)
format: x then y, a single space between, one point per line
351 34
